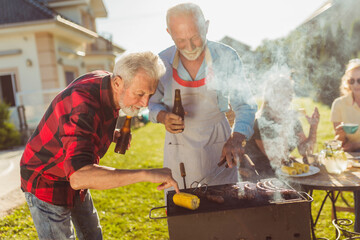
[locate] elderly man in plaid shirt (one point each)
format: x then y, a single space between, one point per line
61 159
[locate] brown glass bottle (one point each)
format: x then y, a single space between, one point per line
178 108
123 141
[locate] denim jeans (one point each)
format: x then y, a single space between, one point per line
54 222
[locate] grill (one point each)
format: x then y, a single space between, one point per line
263 218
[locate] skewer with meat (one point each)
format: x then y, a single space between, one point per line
250 190
285 192
210 196
215 198
264 191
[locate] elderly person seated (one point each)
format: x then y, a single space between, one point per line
346 109
277 129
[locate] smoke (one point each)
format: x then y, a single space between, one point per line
226 76
309 62
277 120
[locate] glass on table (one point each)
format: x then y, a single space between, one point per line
333 145
334 162
311 157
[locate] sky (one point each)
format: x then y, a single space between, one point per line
140 25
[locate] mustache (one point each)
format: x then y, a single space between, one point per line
193 51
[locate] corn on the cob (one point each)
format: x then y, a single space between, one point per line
289 170
186 200
298 168
304 167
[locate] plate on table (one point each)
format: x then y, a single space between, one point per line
312 170
355 163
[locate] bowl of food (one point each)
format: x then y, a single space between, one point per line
350 128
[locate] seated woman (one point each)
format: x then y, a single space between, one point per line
277 129
346 109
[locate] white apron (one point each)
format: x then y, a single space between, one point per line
200 145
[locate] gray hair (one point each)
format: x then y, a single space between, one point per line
187 9
130 64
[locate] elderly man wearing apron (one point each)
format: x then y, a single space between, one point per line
209 76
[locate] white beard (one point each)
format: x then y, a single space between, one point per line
194 54
128 110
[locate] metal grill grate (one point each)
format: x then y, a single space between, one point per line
231 201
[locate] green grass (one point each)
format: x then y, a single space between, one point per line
124 211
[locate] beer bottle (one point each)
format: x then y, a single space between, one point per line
178 108
123 141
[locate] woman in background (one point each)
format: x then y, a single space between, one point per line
346 109
277 129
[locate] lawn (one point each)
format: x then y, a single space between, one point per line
124 211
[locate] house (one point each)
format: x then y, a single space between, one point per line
335 12
44 45
322 46
340 19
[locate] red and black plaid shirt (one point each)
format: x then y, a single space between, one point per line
75 131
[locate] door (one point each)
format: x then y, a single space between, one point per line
7 89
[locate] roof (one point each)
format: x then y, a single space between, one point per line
328 4
17 11
47 1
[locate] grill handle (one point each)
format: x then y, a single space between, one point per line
155 208
306 196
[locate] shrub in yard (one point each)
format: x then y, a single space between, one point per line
9 136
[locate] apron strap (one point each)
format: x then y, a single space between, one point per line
192 84
209 75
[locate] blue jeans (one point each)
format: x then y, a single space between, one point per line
54 222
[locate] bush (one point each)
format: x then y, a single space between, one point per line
9 136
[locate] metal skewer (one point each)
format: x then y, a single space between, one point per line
183 173
252 166
199 184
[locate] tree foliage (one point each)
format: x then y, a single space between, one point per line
9 136
317 55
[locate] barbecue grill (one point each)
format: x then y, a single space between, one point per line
260 218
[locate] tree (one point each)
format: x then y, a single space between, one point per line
9 136
355 39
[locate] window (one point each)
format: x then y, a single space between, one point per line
7 89
70 73
69 76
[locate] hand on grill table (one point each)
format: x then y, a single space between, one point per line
234 148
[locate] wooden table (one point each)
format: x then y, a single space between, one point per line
349 180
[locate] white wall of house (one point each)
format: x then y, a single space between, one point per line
26 69
41 74
73 13
71 58
29 76
92 63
